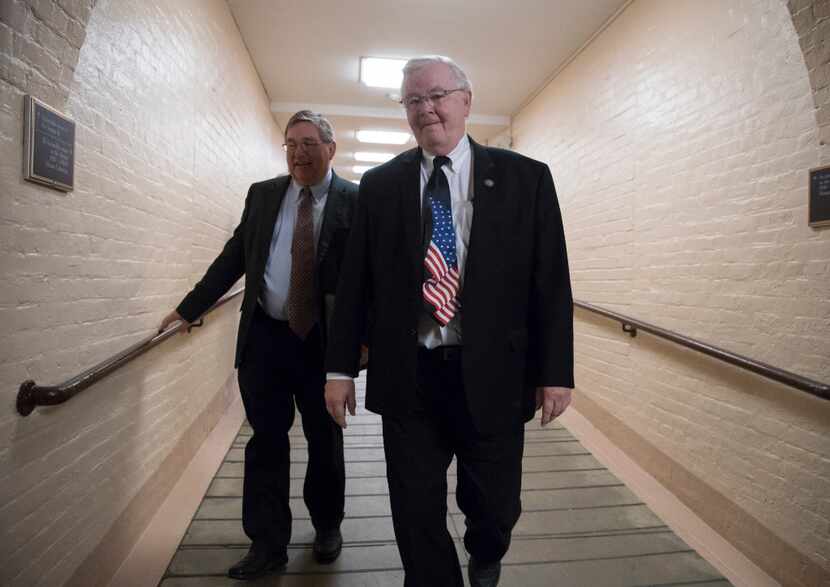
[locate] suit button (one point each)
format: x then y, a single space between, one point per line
413 332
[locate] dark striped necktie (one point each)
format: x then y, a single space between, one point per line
441 282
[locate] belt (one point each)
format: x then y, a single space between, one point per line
442 353
261 311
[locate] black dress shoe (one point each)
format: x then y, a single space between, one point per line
483 575
258 562
327 545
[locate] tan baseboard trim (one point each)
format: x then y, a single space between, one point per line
740 571
148 560
708 521
103 563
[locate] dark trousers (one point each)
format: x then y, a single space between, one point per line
278 369
419 448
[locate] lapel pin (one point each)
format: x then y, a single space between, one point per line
489 182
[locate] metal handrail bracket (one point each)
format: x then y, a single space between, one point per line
31 395
632 325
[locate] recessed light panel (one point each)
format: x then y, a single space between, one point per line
360 169
373 156
379 72
383 137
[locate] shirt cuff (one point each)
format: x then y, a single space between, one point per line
338 376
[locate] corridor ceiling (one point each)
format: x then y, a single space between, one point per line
308 55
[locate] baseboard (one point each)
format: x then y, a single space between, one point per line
104 562
738 545
149 558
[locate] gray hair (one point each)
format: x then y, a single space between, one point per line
324 127
417 63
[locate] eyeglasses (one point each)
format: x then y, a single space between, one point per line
412 102
306 146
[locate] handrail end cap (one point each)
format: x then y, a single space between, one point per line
25 399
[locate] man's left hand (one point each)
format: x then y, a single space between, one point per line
553 401
340 397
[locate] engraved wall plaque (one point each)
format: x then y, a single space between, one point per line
48 146
819 214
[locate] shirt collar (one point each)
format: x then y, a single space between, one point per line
457 155
318 190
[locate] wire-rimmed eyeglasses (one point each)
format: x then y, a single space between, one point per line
291 146
413 101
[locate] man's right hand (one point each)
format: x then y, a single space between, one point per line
339 396
169 319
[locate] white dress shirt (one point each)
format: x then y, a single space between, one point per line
278 267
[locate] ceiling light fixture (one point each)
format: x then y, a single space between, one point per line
384 137
379 72
373 157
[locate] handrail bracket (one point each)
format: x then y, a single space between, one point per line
193 325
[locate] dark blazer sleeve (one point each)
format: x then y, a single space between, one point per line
225 270
351 302
551 303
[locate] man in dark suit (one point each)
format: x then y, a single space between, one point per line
289 246
457 260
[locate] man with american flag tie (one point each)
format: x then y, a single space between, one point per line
470 325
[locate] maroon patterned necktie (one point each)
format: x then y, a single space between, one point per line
300 304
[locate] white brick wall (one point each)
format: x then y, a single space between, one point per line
172 127
811 19
680 141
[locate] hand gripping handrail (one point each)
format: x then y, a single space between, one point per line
632 325
31 395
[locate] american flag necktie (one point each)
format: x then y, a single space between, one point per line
441 281
299 307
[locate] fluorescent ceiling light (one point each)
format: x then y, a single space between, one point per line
385 137
373 157
360 169
378 72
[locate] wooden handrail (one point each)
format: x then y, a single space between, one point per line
632 325
31 395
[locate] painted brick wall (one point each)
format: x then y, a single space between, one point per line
172 126
811 19
680 141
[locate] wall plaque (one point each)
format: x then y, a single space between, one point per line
819 214
48 146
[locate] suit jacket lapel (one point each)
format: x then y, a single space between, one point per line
487 199
483 169
334 202
411 207
271 208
